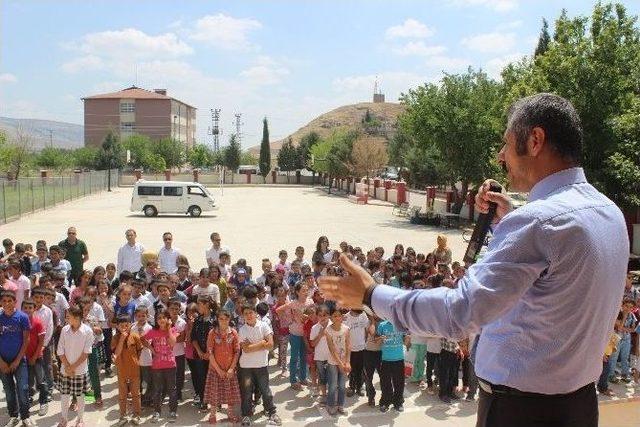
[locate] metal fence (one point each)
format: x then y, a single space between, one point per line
28 195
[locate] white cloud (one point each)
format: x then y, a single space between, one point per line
495 42
494 66
225 32
418 48
8 78
82 64
497 5
264 74
410 28
132 44
512 25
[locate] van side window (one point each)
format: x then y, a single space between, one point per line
197 191
173 191
149 191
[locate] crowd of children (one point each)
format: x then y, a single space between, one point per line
63 330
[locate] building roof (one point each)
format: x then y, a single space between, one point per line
133 92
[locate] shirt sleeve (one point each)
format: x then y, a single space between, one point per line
61 342
24 323
516 258
88 342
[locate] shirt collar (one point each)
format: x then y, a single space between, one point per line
555 181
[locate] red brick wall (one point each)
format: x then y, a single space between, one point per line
100 115
153 118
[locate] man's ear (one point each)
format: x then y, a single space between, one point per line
536 142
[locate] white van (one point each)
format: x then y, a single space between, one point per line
154 197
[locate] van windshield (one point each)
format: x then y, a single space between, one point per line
198 191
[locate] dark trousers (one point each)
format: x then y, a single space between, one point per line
107 333
192 368
47 364
392 383
432 367
448 365
37 380
179 375
469 378
577 409
371 363
357 366
603 381
164 382
16 389
200 373
248 377
145 377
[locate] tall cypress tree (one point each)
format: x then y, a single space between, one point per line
543 40
265 151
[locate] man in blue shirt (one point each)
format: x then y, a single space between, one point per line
544 297
14 337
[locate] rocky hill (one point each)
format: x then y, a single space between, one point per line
45 132
382 120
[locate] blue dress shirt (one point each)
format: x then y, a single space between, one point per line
545 295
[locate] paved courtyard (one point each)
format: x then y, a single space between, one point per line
256 222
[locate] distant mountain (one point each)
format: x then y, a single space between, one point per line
46 132
383 118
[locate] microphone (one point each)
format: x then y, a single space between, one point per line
481 229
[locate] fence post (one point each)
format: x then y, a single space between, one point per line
19 198
33 199
44 198
4 202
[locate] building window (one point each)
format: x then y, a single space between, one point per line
127 107
173 191
127 127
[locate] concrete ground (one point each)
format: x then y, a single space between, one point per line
256 223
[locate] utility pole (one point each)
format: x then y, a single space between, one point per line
50 137
214 130
239 124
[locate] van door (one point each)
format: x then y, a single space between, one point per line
173 200
147 195
196 196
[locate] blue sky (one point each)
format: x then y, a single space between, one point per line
287 60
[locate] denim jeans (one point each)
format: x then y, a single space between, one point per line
47 362
37 378
622 352
335 386
298 361
250 377
321 367
16 390
603 381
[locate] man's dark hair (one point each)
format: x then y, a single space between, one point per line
262 308
123 318
250 292
7 242
556 116
8 293
54 248
125 275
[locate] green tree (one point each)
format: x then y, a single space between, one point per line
54 158
171 150
593 62
265 151
139 147
200 156
111 153
232 155
368 155
85 157
543 40
461 120
287 158
247 158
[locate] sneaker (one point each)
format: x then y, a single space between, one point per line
79 423
454 396
614 380
156 417
274 420
13 422
398 408
372 402
196 400
332 411
44 408
122 421
445 399
108 373
470 398
323 401
341 410
246 421
136 421
62 423
173 417
626 379
28 422
350 392
360 393
384 408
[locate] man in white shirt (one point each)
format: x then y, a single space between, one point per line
167 255
213 254
130 253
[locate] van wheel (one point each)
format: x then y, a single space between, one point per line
195 211
150 210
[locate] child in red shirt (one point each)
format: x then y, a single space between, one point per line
35 361
312 319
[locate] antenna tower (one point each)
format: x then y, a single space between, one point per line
238 124
214 130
